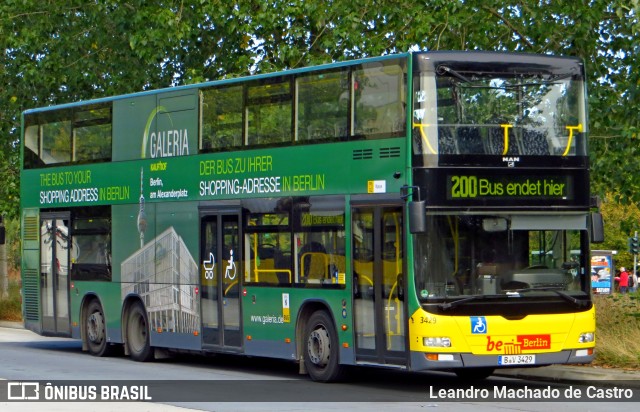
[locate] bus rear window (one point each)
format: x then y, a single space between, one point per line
78 135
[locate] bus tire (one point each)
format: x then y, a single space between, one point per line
474 374
138 334
95 332
321 357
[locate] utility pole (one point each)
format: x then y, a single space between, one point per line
4 275
635 263
634 249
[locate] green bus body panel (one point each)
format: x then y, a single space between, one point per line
264 316
31 268
340 168
159 125
108 293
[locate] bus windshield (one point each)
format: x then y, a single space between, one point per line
496 113
505 256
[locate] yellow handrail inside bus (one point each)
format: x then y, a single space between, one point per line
229 287
396 222
257 271
506 128
397 315
571 129
367 278
287 271
420 127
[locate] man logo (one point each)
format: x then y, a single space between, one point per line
511 160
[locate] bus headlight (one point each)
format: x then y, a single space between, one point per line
586 337
440 342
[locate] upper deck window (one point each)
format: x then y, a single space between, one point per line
68 136
465 112
361 101
379 99
222 118
323 106
269 113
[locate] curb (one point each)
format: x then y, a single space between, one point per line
578 374
11 324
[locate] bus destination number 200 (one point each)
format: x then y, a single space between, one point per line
473 186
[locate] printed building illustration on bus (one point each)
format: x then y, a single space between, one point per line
163 274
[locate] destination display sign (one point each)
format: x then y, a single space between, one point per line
522 186
500 188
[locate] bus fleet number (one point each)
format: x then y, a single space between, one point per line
464 186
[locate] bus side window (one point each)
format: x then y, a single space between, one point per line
379 103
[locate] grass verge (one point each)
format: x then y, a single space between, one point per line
11 307
618 331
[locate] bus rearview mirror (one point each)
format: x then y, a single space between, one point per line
597 228
417 217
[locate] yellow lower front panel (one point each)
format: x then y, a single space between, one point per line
496 335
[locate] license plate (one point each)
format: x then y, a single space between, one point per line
516 359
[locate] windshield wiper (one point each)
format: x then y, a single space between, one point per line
453 304
579 303
444 69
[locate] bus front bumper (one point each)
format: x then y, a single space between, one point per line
419 360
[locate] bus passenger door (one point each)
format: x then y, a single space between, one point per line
55 253
220 273
377 262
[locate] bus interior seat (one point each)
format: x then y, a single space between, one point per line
313 266
534 142
496 142
340 129
470 140
487 270
446 142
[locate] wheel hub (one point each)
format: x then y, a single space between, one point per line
95 327
319 347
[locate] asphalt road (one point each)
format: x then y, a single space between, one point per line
232 383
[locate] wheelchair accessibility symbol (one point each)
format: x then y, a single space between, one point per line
478 324
230 270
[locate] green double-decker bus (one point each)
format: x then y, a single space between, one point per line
416 211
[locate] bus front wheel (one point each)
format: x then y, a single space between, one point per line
95 330
321 348
138 334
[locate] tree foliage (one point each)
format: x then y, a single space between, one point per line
62 51
620 224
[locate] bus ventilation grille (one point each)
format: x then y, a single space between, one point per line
362 154
387 152
30 228
30 293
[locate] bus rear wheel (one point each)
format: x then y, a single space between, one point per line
95 333
321 348
138 334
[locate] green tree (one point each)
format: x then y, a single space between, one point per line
621 222
62 51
